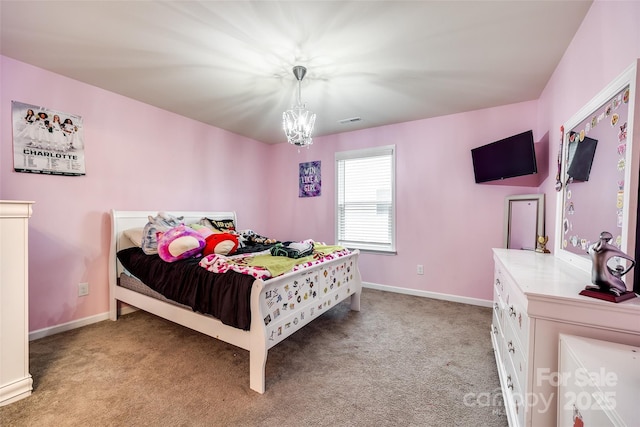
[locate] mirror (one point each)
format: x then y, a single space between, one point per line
597 191
523 221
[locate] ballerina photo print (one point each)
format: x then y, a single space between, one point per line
46 141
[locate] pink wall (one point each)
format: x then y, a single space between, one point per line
138 157
445 221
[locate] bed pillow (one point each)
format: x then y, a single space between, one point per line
221 244
135 235
219 225
205 231
179 242
161 222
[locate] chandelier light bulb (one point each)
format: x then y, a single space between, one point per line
298 122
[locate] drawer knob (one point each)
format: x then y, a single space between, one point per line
512 349
512 312
495 306
495 330
509 382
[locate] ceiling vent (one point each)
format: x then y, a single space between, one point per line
351 120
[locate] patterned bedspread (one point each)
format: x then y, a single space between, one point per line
263 265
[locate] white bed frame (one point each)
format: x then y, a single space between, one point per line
275 310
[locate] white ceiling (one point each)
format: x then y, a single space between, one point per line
228 63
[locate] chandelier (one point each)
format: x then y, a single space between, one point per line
298 121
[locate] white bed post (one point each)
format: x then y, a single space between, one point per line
258 350
355 298
113 273
355 302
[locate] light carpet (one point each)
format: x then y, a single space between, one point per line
401 361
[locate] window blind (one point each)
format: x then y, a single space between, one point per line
366 199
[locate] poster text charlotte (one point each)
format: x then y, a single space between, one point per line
31 152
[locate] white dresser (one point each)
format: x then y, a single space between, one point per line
535 300
600 383
15 380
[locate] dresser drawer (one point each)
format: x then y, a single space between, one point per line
517 318
497 337
517 356
514 309
498 279
513 398
498 307
511 391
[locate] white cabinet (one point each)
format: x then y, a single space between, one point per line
536 298
599 383
15 380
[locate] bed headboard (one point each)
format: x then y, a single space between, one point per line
123 220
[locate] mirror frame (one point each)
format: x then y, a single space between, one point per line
539 200
630 197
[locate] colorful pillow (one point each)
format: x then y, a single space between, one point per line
161 222
179 242
221 244
219 225
204 231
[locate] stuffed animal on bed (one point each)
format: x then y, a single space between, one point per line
179 242
204 231
221 244
216 243
161 222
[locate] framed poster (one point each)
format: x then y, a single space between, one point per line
310 182
46 141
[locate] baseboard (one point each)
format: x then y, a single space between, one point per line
427 294
126 309
45 332
16 390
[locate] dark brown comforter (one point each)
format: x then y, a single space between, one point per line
224 296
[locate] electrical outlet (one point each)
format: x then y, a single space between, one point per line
83 289
420 269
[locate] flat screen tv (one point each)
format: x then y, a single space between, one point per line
506 158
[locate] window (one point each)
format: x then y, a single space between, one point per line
365 199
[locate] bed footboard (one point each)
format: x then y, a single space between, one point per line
289 302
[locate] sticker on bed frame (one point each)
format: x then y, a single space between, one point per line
287 297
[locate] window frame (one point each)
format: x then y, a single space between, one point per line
362 154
